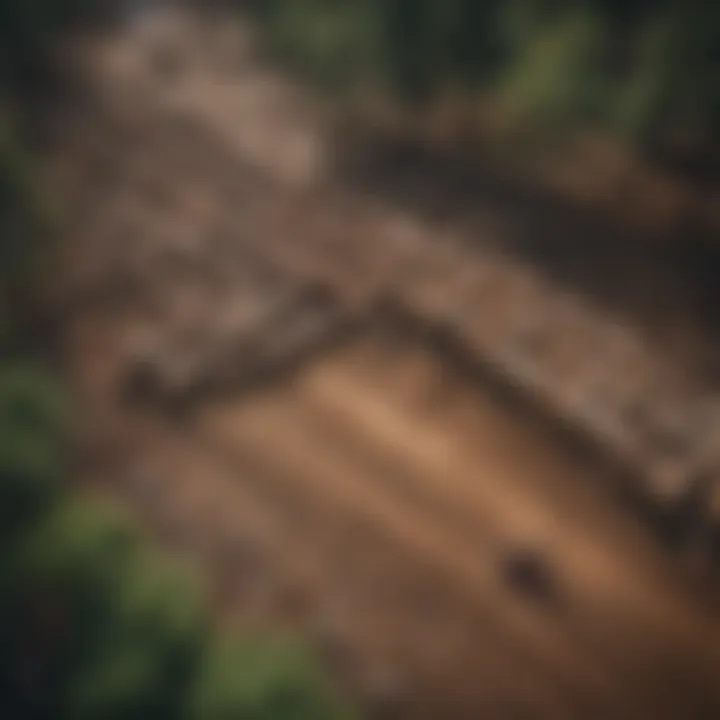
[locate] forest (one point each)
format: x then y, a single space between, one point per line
646 73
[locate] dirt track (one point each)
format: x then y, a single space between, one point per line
373 495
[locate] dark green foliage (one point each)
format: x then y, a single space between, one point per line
90 625
264 679
92 629
19 209
23 237
647 71
31 444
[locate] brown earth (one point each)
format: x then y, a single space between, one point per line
259 376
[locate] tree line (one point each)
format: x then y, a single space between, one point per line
644 71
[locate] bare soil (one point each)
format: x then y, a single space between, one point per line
447 551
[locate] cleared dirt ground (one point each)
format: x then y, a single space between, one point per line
329 467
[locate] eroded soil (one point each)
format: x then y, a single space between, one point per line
243 385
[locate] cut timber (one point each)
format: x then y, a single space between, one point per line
259 340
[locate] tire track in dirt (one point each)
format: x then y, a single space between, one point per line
427 453
380 518
315 445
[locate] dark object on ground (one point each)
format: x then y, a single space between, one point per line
527 573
